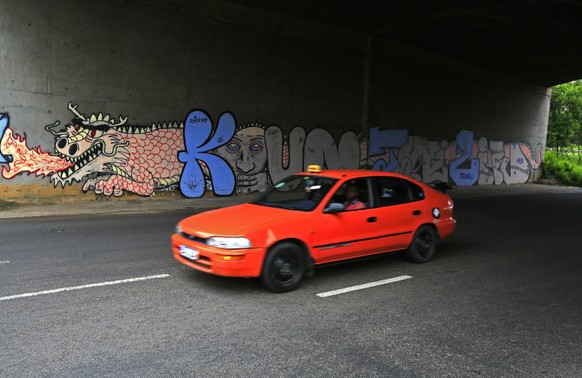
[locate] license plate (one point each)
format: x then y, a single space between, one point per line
189 253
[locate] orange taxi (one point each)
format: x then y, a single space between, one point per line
313 218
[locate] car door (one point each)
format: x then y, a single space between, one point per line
349 233
400 207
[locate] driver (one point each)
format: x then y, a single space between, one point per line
352 202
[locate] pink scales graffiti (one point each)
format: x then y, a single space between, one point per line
114 157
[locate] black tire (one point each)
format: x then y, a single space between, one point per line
423 245
283 268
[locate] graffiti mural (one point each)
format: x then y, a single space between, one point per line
108 156
462 162
3 129
292 153
246 154
113 157
199 138
20 158
423 160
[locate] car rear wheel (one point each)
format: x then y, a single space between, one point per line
284 268
423 245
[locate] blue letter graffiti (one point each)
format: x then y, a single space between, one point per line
464 176
199 140
3 126
382 140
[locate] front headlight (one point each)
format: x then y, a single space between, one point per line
229 243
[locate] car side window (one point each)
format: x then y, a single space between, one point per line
353 194
416 192
395 191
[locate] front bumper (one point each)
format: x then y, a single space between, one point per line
222 262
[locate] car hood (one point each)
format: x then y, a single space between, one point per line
235 220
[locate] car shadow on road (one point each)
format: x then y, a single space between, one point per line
335 274
362 267
233 285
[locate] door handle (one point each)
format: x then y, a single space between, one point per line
372 219
416 212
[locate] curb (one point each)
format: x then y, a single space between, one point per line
133 206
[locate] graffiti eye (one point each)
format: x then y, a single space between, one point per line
61 143
256 147
73 149
233 147
94 134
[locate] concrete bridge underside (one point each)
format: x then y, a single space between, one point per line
535 41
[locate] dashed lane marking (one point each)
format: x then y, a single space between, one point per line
71 288
363 286
4 262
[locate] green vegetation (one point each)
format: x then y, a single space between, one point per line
565 123
563 159
564 167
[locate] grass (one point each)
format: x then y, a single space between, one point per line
566 168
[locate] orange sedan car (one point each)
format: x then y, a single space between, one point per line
314 218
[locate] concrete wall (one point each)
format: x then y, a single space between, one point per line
442 96
296 92
503 120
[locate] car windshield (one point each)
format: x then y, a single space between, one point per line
302 192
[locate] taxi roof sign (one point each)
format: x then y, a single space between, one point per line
314 168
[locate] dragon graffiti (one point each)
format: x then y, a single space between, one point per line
108 156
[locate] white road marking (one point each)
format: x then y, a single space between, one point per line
109 283
363 286
4 262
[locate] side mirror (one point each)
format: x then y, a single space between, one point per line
334 208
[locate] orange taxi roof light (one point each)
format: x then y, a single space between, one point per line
314 168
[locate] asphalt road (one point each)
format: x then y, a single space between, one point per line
503 297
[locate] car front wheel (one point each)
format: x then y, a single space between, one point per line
423 245
284 268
